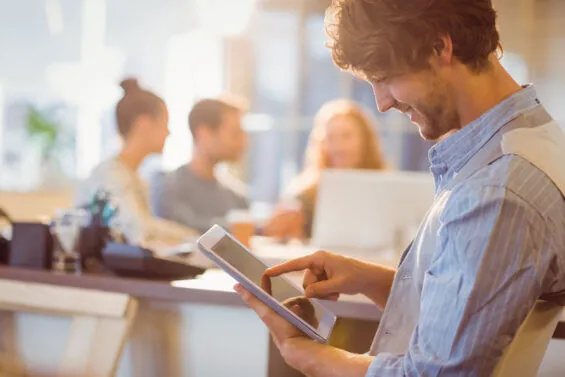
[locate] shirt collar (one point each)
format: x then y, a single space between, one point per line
448 156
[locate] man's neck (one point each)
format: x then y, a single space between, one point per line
484 91
132 156
202 167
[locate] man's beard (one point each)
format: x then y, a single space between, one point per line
439 115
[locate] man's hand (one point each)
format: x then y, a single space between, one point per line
327 275
281 330
300 305
302 353
303 307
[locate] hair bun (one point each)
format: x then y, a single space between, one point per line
130 85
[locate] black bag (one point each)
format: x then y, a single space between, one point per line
31 245
137 262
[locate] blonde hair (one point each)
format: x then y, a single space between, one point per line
316 158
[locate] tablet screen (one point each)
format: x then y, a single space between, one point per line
279 288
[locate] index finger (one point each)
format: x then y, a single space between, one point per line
266 284
293 265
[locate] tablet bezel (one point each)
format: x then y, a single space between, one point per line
206 244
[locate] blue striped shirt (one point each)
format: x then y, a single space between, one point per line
500 246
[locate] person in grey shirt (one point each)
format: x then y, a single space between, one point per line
194 195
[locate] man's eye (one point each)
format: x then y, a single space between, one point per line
380 79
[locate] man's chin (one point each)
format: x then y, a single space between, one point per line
434 136
422 129
427 134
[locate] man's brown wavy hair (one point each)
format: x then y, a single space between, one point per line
387 37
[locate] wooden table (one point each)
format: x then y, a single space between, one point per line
196 327
200 327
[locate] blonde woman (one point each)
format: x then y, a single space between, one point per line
343 137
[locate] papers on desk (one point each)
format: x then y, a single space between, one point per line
212 280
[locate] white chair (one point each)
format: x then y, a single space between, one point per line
524 355
101 323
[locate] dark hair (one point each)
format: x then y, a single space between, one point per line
371 37
135 103
209 113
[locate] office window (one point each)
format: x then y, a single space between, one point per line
270 162
32 42
70 55
194 70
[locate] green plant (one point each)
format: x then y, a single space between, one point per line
40 127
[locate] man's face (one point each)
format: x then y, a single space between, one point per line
229 139
426 96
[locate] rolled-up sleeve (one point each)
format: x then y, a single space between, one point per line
485 277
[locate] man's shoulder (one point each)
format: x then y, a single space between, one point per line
516 176
168 182
181 171
174 177
233 185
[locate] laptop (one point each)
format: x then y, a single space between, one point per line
360 209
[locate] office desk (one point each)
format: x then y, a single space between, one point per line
196 328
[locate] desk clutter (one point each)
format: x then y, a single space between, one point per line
86 239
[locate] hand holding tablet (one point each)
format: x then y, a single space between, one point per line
287 300
299 305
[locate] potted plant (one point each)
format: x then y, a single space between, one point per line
50 136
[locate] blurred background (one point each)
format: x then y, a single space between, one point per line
61 62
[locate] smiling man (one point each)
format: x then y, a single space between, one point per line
493 241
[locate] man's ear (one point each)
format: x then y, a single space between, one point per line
202 132
443 49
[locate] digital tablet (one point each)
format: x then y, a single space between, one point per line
309 315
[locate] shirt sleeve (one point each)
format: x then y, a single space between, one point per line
485 277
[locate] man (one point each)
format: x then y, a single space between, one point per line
192 195
493 242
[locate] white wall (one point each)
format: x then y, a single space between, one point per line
535 30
